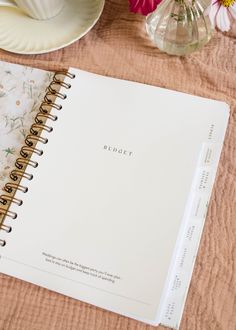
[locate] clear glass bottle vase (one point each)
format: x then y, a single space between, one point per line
179 27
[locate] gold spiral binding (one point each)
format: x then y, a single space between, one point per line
32 139
4 199
20 163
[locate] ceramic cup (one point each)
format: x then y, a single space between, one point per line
38 9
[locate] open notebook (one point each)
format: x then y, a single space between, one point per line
113 214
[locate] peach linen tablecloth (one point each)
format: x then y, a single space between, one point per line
118 46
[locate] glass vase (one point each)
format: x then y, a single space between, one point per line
179 27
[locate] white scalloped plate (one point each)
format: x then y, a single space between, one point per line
23 35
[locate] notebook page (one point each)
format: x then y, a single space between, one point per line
22 89
103 212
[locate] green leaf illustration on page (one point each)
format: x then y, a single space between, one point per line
9 151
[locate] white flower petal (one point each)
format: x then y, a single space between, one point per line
232 10
212 11
208 9
222 19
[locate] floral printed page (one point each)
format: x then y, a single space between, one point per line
22 89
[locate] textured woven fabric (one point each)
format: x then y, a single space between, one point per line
118 46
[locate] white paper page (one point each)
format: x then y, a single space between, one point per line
100 225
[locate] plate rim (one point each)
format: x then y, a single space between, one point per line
45 51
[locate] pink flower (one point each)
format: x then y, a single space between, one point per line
220 12
143 7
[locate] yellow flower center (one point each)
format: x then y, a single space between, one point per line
227 3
